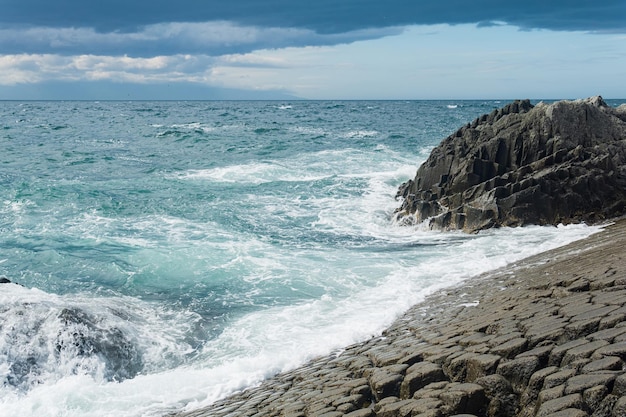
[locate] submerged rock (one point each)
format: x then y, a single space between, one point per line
85 337
522 164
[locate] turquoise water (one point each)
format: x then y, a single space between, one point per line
170 253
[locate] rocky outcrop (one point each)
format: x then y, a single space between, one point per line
546 164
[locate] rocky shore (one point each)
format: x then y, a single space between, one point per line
545 337
522 164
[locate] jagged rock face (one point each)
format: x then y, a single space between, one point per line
548 164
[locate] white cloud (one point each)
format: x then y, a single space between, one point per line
438 61
33 68
212 38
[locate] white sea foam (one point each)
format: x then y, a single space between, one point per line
254 173
308 130
307 168
53 341
360 134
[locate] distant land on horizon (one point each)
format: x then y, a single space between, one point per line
59 91
112 91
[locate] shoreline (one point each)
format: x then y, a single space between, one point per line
549 339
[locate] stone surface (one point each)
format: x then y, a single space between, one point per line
548 164
420 375
518 371
559 404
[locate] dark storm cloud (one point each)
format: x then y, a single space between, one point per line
325 16
140 27
170 38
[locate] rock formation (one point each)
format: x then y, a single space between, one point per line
546 164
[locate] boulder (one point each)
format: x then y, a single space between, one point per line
522 164
420 375
85 336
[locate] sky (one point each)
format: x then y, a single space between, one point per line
311 49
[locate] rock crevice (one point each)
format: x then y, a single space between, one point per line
522 164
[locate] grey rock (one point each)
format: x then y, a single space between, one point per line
619 410
580 383
582 351
464 398
385 384
393 407
619 386
367 412
331 413
615 349
558 378
605 409
551 394
471 366
559 404
547 164
503 402
93 338
519 371
557 354
511 348
420 375
569 412
609 363
594 396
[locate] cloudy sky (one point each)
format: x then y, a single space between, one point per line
312 49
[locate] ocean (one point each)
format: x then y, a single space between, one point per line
167 254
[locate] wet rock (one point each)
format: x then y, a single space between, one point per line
558 378
470 366
385 382
518 371
582 351
609 363
510 348
503 402
523 164
569 412
466 398
579 383
85 336
594 396
615 349
619 409
420 375
361 413
5 280
559 404
605 409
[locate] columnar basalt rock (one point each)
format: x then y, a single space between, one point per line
522 164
